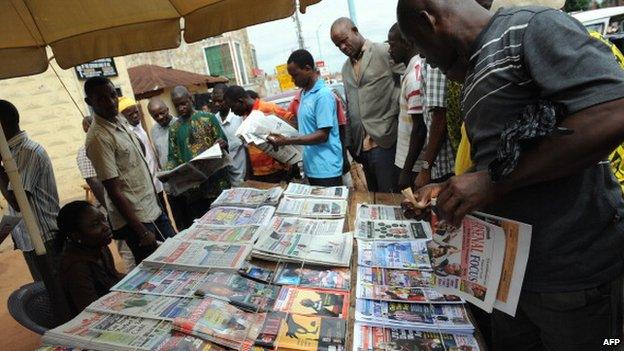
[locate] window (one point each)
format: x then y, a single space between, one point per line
219 61
241 66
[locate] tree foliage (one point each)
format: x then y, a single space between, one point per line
576 5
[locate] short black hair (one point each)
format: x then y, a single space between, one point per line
95 82
68 221
9 113
394 28
219 87
235 92
252 94
301 58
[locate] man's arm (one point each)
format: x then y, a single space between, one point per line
437 135
4 188
97 188
318 137
417 141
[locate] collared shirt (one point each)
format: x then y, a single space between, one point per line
357 63
84 164
434 88
35 169
411 102
261 163
317 110
116 152
236 149
160 137
150 154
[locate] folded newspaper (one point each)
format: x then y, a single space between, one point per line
313 276
249 197
312 208
191 174
201 232
392 230
144 306
199 255
297 225
321 192
256 128
160 281
379 212
394 254
237 216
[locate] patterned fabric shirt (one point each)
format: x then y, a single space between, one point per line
84 164
434 87
35 169
411 102
189 137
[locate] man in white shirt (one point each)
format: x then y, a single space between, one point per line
230 123
160 131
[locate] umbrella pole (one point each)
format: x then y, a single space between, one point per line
43 261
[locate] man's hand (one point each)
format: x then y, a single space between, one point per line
147 238
463 194
222 144
277 140
405 178
423 178
421 209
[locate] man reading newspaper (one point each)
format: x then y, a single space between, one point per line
535 71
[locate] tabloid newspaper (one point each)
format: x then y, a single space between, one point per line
248 197
309 191
200 232
517 245
256 128
403 294
312 208
298 225
379 212
395 277
392 230
394 254
467 262
160 281
219 322
313 302
145 306
237 216
196 171
372 338
199 255
287 331
327 250
413 316
312 276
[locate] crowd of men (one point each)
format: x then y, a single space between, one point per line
427 109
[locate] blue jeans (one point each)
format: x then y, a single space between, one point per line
381 173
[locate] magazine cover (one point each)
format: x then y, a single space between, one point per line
159 281
248 197
302 333
242 292
219 322
313 302
413 316
467 262
314 277
145 306
517 246
200 232
394 254
371 338
403 294
312 208
367 212
236 216
308 191
395 277
257 273
199 255
392 230
298 225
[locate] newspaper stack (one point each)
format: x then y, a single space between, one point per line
320 192
237 216
249 197
312 208
368 337
297 225
233 235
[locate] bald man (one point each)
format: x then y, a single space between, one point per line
372 86
160 131
572 291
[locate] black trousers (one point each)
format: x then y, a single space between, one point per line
188 208
335 181
161 227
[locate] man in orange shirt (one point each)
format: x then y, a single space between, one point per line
263 168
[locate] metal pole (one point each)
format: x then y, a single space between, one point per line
352 14
318 41
298 24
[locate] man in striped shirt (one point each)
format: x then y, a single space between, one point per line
572 291
35 169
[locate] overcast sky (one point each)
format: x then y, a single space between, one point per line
274 41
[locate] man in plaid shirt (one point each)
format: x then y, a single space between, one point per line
438 159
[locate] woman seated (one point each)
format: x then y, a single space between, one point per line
87 270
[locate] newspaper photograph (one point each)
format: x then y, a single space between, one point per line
403 294
392 230
249 197
298 225
287 331
367 212
244 293
145 306
395 277
159 281
237 216
313 302
310 191
256 128
517 246
413 316
313 277
394 254
200 232
199 255
468 261
372 338
312 208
